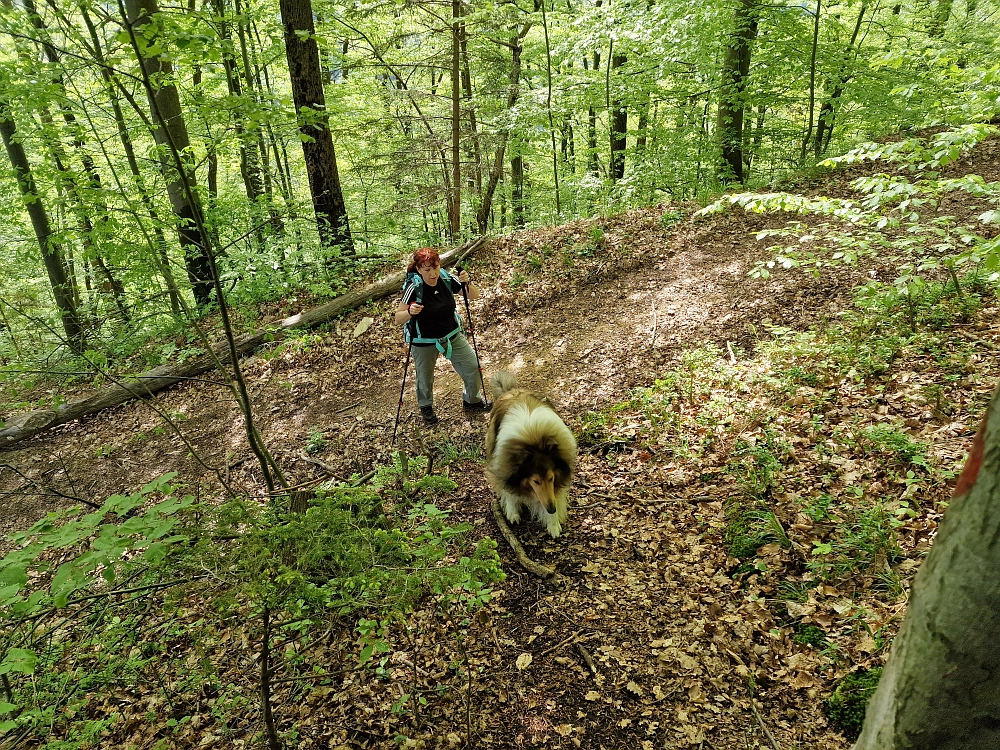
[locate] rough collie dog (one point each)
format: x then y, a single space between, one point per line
530 455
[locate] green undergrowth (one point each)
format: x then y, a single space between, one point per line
160 592
845 708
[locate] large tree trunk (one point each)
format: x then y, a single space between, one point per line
171 135
940 689
736 66
27 425
314 123
52 257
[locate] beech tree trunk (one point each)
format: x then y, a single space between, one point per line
732 104
52 257
619 126
513 91
940 689
314 123
171 135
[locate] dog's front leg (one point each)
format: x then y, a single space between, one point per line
510 507
553 526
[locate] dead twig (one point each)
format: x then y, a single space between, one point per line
571 639
321 464
767 732
652 336
601 495
522 557
587 658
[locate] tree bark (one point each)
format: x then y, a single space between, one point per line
619 126
941 686
52 257
125 137
314 124
455 198
828 113
171 135
27 425
736 66
513 91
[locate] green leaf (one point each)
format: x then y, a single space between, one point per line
6 708
19 660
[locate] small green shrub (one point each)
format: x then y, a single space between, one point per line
316 443
810 635
864 538
845 708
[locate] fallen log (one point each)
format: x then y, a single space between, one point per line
145 385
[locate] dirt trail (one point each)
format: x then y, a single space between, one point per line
585 333
584 312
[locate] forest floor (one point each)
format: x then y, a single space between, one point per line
691 646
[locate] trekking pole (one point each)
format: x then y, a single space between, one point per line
472 333
402 389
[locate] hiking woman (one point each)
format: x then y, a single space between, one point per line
430 316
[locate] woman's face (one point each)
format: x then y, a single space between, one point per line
429 273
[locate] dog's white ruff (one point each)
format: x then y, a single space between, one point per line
523 423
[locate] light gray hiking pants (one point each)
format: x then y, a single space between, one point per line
463 359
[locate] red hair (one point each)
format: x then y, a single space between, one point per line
425 256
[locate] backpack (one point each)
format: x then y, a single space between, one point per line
411 329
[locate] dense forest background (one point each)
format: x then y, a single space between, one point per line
149 144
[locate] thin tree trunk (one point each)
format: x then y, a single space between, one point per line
812 84
828 112
517 189
160 249
642 127
455 202
52 257
619 124
109 285
513 92
477 156
592 163
548 107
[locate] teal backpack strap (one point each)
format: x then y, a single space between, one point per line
412 335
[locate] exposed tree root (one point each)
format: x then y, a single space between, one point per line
527 563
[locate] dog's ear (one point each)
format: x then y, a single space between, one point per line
518 456
549 444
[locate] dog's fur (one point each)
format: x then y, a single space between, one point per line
530 455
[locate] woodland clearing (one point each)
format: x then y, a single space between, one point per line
711 407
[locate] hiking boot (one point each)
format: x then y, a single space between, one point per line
480 407
427 412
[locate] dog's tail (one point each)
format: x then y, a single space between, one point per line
501 382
